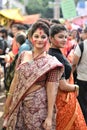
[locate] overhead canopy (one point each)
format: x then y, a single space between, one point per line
29 19
8 15
13 14
81 20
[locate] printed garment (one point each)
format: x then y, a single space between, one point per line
29 110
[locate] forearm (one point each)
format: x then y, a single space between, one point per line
65 86
51 96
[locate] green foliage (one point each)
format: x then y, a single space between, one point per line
22 1
41 7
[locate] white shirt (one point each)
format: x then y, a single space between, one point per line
82 67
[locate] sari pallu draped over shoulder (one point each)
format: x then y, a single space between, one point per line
69 116
28 74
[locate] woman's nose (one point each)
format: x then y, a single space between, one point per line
40 39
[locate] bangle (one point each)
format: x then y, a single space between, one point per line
9 94
76 87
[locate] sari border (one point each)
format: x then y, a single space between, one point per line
72 120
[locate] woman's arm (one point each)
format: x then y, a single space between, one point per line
75 62
65 86
10 94
52 88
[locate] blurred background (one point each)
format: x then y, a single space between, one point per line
28 11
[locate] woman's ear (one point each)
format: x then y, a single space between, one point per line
51 38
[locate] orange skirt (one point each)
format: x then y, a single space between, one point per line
69 114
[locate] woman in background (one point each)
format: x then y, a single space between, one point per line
69 115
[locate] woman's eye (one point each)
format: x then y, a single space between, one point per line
62 37
65 37
36 36
43 37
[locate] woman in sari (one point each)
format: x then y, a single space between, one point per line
31 98
69 115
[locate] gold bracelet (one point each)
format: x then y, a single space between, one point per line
76 87
9 94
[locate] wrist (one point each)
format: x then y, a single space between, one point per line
49 116
9 94
76 87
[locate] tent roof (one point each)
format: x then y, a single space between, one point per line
13 14
30 19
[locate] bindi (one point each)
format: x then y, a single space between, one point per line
40 29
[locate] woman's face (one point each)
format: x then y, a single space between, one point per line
59 39
39 38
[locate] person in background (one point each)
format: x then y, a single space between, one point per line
20 39
7 38
16 28
69 114
27 45
54 21
31 98
3 47
79 64
10 70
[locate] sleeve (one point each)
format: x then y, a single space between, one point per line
53 75
77 51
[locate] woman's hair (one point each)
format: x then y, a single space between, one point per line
46 21
55 21
56 28
20 38
41 25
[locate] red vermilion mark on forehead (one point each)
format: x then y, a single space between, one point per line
40 30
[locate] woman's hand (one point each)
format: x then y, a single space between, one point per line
47 124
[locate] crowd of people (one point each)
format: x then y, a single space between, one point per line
41 90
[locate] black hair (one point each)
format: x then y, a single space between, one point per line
3 30
20 38
55 21
41 25
56 28
45 21
19 26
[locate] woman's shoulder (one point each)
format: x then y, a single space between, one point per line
53 59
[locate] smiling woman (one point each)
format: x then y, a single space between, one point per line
66 102
34 86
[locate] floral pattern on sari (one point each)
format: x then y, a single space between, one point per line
29 73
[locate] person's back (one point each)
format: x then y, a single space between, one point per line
25 46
